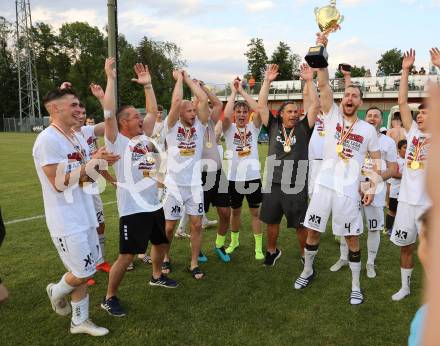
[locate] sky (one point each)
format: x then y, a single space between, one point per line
214 34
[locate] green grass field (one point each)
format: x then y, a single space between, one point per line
238 303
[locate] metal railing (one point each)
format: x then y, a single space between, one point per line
372 85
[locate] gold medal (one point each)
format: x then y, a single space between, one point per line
246 149
150 160
209 145
146 173
321 133
339 148
287 149
415 165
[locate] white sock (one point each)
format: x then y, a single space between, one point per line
344 249
102 243
204 220
373 242
309 258
80 311
355 276
61 289
406 278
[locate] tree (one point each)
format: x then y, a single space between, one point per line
355 72
257 58
288 63
390 62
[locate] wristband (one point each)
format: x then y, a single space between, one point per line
148 86
107 114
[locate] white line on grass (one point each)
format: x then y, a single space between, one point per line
40 216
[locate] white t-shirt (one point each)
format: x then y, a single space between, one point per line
88 132
316 144
71 211
185 146
343 176
395 182
244 165
388 153
412 188
137 188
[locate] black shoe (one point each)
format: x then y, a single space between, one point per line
272 258
113 307
163 281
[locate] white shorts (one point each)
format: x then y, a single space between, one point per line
407 224
374 217
190 197
346 213
80 252
99 208
314 167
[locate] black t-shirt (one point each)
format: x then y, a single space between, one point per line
297 157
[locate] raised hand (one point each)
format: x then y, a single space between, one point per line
103 154
143 74
408 60
97 91
435 56
66 85
235 85
177 74
185 74
271 72
344 72
306 72
110 71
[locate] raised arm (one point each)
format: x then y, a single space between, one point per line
217 105
98 93
405 111
313 108
347 76
144 79
202 105
256 119
325 91
270 75
109 102
229 108
435 56
176 100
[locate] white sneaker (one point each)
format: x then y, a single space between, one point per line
209 223
60 306
88 327
338 265
181 234
400 295
371 270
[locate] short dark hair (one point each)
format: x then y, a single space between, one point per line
374 108
58 93
160 108
240 104
422 106
401 143
284 105
396 116
356 86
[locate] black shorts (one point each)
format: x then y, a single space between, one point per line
216 191
278 203
393 205
251 189
136 230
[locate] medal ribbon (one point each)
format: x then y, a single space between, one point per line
243 137
344 135
288 139
418 148
75 146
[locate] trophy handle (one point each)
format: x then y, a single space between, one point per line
341 19
316 11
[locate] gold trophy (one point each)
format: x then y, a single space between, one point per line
328 19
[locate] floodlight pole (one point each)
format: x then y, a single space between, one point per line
112 10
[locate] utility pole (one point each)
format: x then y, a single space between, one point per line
112 9
29 96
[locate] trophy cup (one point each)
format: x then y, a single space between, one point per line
328 19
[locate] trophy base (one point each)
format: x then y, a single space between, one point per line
317 57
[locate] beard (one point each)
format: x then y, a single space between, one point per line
350 112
